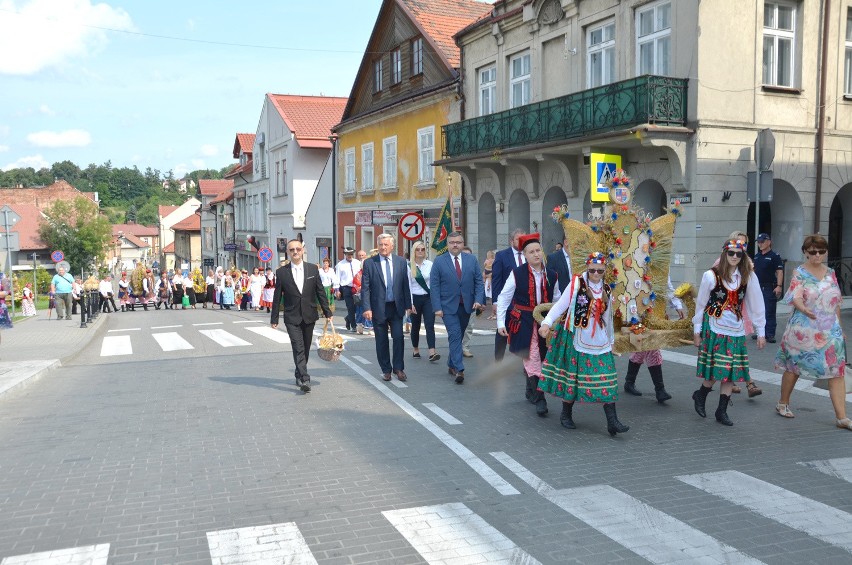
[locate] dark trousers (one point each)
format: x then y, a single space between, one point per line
105 303
301 336
425 312
456 325
770 302
500 346
346 294
393 321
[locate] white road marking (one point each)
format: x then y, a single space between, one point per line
644 530
171 341
346 337
397 383
275 335
274 543
85 555
478 465
247 322
839 468
209 324
116 345
776 503
362 360
453 534
224 338
125 330
166 327
445 416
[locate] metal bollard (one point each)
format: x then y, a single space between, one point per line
82 306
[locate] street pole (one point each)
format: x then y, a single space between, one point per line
9 259
35 280
757 198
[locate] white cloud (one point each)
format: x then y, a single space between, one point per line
4 148
67 138
198 164
180 170
45 109
209 150
45 33
35 161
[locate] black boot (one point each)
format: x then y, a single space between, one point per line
122 307
722 410
540 402
528 394
613 426
700 398
567 418
659 388
630 379
145 306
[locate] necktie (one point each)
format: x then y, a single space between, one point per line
520 259
458 268
388 281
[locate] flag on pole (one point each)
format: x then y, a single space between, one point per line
443 228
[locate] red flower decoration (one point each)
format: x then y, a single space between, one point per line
618 240
605 392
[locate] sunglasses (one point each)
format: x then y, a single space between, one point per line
598 271
817 251
294 249
737 254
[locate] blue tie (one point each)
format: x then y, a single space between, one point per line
388 280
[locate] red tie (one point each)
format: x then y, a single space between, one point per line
458 268
519 259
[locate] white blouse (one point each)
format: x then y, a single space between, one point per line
593 340
727 323
329 278
425 271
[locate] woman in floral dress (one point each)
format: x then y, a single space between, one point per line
27 301
726 291
814 345
579 364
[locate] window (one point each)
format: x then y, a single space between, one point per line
426 154
779 40
349 175
367 167
389 147
519 80
349 237
284 177
262 210
367 241
653 32
487 90
377 76
417 56
278 191
396 66
847 67
600 49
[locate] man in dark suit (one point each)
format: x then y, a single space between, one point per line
504 261
300 286
560 262
386 298
457 290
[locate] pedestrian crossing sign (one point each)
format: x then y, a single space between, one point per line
602 168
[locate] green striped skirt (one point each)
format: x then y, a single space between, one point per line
574 376
721 357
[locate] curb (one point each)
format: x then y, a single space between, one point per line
26 375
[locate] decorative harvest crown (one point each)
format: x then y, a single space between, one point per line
597 258
734 244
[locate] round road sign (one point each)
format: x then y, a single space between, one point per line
412 226
57 256
264 254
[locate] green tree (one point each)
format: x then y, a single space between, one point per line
78 229
66 170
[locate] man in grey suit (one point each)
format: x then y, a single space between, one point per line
457 290
560 262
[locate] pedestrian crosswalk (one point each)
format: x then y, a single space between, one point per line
455 534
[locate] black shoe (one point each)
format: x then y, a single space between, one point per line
700 398
770 340
540 403
613 426
306 385
566 418
659 387
722 410
630 379
528 393
459 377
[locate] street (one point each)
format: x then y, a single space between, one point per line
180 437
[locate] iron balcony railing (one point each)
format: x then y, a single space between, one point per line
647 99
843 269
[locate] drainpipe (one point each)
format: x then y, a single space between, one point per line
333 251
826 9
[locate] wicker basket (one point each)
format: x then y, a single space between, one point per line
329 344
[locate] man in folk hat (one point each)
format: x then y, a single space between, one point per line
527 286
346 270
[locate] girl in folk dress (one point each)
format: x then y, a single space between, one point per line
256 283
228 293
269 290
210 283
124 293
27 301
579 364
726 290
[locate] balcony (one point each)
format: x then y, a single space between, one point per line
647 99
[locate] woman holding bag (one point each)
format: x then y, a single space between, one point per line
814 345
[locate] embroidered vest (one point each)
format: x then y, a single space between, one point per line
720 299
582 306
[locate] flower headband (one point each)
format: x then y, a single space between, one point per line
734 244
596 258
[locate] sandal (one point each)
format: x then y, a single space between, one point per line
845 424
434 357
784 410
753 390
416 355
736 390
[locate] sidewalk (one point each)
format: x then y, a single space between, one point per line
37 345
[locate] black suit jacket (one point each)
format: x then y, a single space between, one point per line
299 307
557 262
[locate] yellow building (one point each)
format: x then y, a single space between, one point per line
389 136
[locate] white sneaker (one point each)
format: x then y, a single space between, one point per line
360 328
467 353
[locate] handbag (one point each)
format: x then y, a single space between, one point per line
356 298
185 300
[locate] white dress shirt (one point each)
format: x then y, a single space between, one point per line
105 287
508 293
346 271
727 323
386 262
298 275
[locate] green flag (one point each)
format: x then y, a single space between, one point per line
443 228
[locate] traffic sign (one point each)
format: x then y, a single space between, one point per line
9 215
14 243
264 254
57 256
412 226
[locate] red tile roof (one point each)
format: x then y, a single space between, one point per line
310 118
27 226
136 229
170 248
135 240
190 223
223 196
164 211
237 169
244 143
43 196
211 187
441 19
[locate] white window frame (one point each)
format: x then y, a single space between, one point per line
487 77
349 237
523 80
417 56
277 178
396 66
349 170
600 53
389 163
284 177
367 241
426 155
847 66
777 36
377 75
368 175
657 38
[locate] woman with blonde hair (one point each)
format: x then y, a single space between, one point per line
487 268
421 302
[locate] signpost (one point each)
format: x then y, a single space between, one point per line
602 167
412 226
10 218
764 155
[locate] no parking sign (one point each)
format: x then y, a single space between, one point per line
264 254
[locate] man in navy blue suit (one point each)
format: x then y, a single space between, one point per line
386 297
560 262
504 262
457 290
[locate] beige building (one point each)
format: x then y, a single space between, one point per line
679 91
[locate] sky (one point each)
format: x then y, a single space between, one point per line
159 83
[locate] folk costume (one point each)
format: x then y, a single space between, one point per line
722 355
579 364
124 293
524 289
268 292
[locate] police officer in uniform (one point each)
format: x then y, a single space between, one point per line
769 268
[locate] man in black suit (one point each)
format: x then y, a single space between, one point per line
386 298
299 284
560 262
